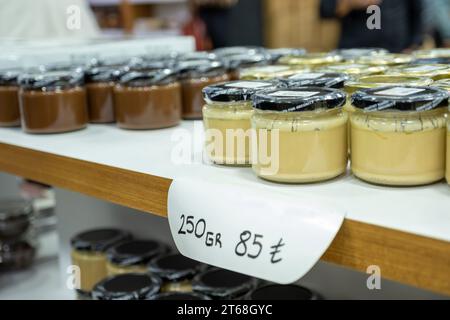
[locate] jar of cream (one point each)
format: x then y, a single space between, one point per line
220 284
89 254
133 256
301 134
226 117
176 272
53 102
148 100
270 292
128 286
432 71
398 135
9 98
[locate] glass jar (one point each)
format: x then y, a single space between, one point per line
17 253
316 79
129 286
301 134
176 272
148 100
53 102
267 72
354 69
388 59
235 63
15 217
220 284
398 135
278 53
100 82
133 256
377 82
311 60
282 292
226 118
89 254
195 75
433 71
177 296
9 98
353 54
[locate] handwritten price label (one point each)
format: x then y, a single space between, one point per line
272 237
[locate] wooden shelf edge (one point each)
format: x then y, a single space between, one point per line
407 258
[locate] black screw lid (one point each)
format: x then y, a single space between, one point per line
135 252
175 267
50 81
236 90
149 78
129 286
317 79
98 240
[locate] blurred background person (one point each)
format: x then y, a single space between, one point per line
224 23
402 23
437 21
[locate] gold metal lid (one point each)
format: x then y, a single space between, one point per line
389 59
312 59
434 71
385 80
269 72
355 69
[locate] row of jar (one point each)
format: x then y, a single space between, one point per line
18 243
397 134
114 266
152 94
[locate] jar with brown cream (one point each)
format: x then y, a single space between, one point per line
9 98
133 256
301 134
148 100
220 284
128 286
194 76
100 82
398 135
176 272
53 102
226 118
89 254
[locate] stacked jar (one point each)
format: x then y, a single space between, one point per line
9 98
17 242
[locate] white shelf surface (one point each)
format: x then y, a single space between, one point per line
418 210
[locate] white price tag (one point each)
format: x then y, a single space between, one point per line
259 233
399 91
248 84
294 94
306 76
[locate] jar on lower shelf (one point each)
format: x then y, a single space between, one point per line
53 102
220 284
226 117
176 272
17 253
272 292
129 286
9 98
148 100
179 296
15 218
398 135
194 76
89 254
133 256
301 134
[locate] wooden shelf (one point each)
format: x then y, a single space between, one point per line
132 169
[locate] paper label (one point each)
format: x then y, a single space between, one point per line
248 85
294 94
306 76
399 91
255 232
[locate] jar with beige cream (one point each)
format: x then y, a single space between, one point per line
398 135
301 134
226 118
